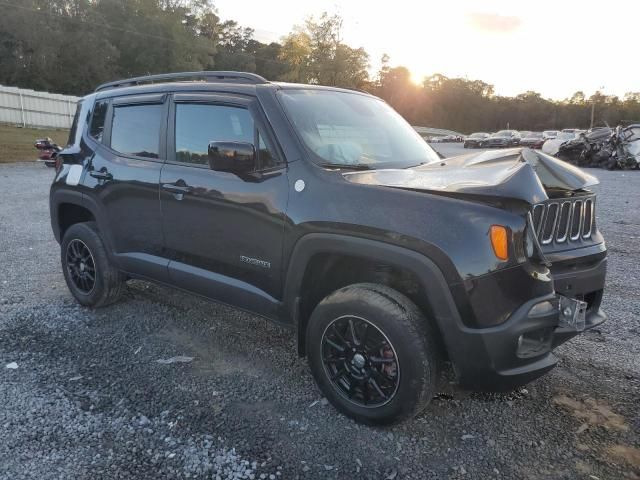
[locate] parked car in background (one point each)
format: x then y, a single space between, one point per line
522 134
532 140
549 134
503 138
475 140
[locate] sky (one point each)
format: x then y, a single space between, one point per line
553 47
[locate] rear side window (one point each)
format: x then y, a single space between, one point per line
136 130
96 129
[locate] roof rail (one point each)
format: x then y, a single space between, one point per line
208 76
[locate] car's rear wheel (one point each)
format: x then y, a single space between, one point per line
90 276
373 353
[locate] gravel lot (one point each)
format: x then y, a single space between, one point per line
88 398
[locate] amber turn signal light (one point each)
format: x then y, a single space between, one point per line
499 242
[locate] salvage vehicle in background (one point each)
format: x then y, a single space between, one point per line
475 140
532 140
602 147
621 150
549 134
503 138
323 210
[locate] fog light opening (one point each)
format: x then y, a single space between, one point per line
534 344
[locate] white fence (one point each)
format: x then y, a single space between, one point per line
29 108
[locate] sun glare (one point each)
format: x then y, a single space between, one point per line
417 78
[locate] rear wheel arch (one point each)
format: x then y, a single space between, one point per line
323 263
70 213
69 207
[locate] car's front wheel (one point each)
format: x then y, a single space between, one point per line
373 353
90 276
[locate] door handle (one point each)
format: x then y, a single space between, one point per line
178 189
101 175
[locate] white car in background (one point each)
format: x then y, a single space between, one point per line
551 146
549 134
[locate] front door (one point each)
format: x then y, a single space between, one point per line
223 233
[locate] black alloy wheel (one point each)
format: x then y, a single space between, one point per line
91 277
373 353
81 266
360 361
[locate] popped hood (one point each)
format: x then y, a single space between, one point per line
521 174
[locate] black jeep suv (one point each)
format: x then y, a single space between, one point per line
322 209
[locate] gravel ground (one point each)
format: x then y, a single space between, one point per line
89 399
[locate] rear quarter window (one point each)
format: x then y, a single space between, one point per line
96 128
74 124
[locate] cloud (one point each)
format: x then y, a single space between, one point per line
493 22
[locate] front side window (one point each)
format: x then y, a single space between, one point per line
96 129
199 124
136 130
351 130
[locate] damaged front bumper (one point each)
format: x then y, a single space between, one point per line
520 349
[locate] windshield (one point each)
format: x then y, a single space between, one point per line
354 130
502 133
478 135
632 134
565 135
535 135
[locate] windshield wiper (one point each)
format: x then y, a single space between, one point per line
349 166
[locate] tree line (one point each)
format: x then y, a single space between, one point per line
70 46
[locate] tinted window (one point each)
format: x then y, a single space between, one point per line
136 130
198 124
74 124
96 128
265 153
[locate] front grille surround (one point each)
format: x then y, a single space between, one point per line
561 221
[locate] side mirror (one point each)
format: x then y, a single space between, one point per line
232 157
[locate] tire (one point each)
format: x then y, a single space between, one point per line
82 240
409 377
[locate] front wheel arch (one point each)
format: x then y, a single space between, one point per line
436 299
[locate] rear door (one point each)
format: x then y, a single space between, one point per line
223 233
124 177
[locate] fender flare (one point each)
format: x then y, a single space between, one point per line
61 196
439 298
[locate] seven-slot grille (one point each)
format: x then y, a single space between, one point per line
567 220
